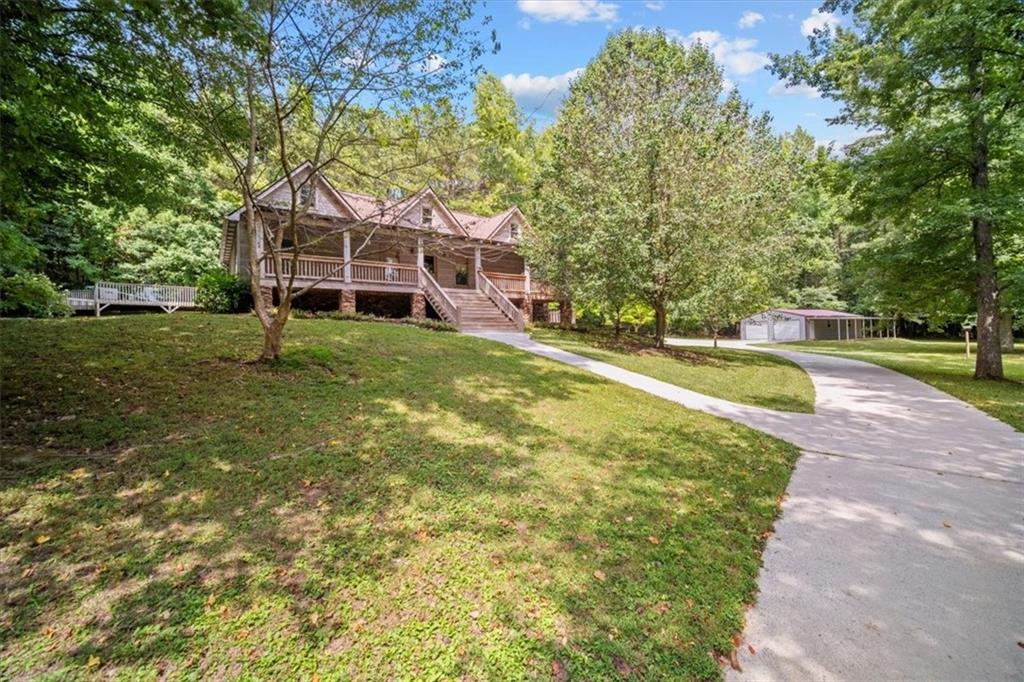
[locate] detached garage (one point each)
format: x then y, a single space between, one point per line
805 324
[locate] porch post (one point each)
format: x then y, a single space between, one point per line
476 266
526 273
346 240
419 252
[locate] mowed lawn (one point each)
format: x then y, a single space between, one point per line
944 365
745 377
385 502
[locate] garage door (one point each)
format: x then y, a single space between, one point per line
788 329
755 330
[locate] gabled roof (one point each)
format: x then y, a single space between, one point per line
365 207
304 167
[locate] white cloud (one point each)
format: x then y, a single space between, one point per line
570 11
655 5
736 56
728 85
432 63
750 19
780 89
817 21
541 94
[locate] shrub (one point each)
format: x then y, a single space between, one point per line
433 325
29 294
220 291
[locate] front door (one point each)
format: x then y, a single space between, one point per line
428 263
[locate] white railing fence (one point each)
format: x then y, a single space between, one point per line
442 303
387 273
102 295
507 307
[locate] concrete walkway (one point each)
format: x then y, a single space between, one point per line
900 551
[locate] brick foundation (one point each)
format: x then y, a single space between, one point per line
526 308
419 306
347 301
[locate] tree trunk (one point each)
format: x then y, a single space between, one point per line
660 324
714 337
618 325
1006 332
272 339
989 360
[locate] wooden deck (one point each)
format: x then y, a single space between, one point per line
102 295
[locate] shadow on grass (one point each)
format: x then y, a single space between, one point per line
381 502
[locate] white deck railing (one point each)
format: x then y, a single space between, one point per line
102 295
508 283
507 307
385 273
442 303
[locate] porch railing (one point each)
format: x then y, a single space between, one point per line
508 283
332 269
507 307
442 303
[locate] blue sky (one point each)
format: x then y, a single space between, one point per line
544 42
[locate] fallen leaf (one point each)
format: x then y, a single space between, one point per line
621 667
314 618
653 540
42 538
947 524
599 574
94 661
558 671
751 649
211 599
28 572
474 614
734 661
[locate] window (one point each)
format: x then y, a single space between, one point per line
462 276
430 264
426 216
513 230
307 196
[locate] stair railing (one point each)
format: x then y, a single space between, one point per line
507 307
444 305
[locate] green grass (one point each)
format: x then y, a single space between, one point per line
942 364
745 377
384 502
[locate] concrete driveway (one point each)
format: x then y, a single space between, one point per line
900 551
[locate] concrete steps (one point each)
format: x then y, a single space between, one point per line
477 313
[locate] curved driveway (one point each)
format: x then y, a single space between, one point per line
900 550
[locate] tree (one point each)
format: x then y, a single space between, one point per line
337 66
940 84
657 181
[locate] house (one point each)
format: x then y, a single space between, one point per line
808 324
399 256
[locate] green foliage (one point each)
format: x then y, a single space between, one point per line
428 323
657 188
306 517
29 294
166 247
219 291
936 186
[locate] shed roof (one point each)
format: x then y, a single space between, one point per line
816 312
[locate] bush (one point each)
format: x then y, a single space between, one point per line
433 325
219 291
31 295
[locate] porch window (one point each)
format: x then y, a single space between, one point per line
426 216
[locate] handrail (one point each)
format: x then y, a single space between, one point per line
507 282
499 299
438 298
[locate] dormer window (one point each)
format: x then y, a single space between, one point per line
513 230
426 216
307 196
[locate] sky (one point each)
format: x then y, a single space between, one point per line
544 43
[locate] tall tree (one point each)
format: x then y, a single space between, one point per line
339 66
656 180
940 84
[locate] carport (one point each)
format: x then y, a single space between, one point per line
812 324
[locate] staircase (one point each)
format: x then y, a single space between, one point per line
477 313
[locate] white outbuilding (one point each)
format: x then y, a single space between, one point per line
808 324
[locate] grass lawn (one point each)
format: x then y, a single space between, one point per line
941 364
741 376
384 502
